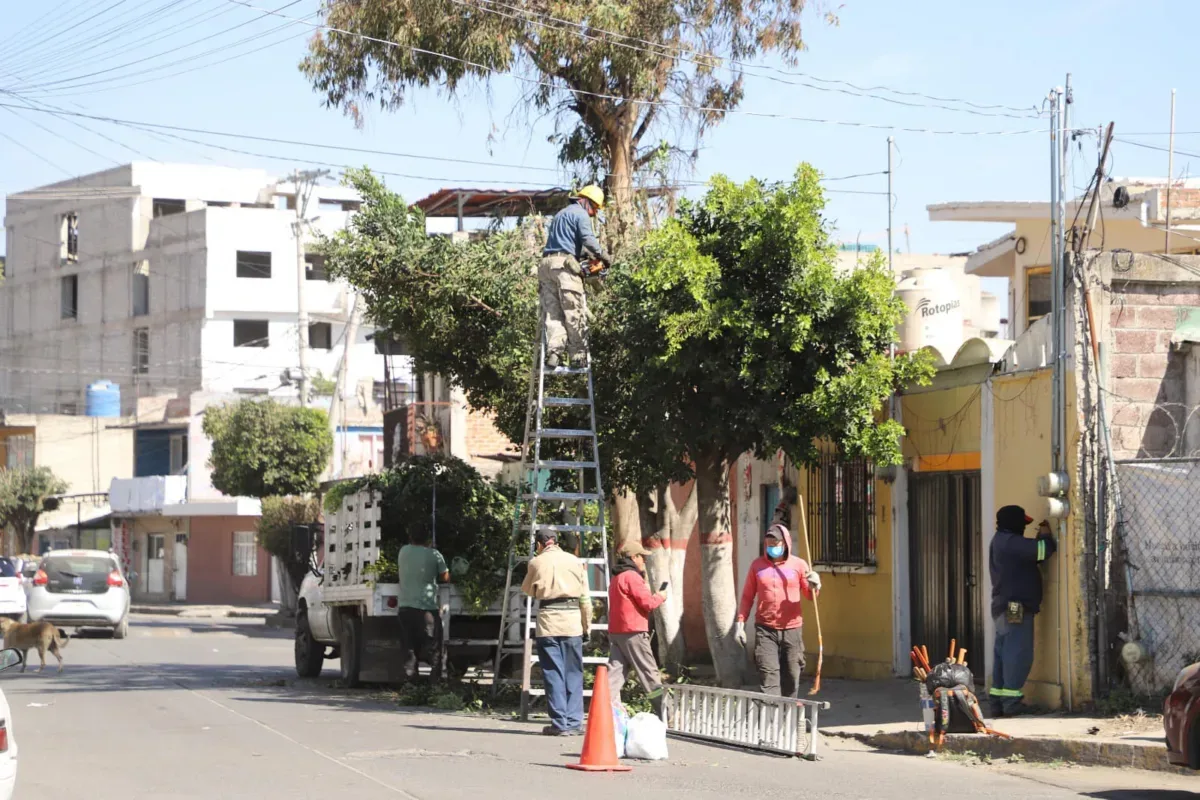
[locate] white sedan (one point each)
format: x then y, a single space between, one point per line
81 589
8 744
12 591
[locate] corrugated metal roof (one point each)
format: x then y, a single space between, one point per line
504 202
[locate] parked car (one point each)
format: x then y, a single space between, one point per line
81 589
8 744
1181 710
12 592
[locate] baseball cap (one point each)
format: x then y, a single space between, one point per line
632 548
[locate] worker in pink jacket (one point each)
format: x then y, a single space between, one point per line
776 580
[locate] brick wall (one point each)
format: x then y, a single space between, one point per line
484 439
210 577
1147 408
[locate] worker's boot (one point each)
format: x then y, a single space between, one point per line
553 361
579 360
656 705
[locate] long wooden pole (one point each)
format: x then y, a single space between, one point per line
816 687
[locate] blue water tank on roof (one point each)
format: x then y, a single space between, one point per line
103 399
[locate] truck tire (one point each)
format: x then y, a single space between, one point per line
310 654
351 648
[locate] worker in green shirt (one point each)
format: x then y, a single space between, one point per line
421 568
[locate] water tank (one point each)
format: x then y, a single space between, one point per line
103 399
989 322
935 314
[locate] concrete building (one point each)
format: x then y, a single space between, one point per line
167 279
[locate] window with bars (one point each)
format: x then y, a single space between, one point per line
245 554
841 511
69 290
253 264
141 288
141 351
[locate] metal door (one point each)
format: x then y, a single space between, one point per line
946 564
155 563
181 543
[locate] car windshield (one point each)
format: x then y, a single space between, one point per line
7 568
77 566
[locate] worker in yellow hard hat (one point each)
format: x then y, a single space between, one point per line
570 243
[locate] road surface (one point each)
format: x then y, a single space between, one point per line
211 708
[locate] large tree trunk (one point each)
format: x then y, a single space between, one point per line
626 522
665 533
716 563
619 186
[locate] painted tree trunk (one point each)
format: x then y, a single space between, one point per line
626 522
666 530
719 587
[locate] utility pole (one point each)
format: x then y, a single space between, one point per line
337 407
303 182
891 141
1170 171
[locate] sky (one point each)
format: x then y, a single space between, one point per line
218 65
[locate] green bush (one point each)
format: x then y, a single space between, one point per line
275 529
474 519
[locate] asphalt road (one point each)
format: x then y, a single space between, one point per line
206 709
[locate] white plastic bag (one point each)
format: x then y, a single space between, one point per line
646 737
620 727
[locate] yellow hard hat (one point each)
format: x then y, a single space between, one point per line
593 193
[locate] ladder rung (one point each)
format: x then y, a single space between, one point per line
566 401
597 593
594 560
564 433
566 465
568 496
474 642
586 659
565 371
577 528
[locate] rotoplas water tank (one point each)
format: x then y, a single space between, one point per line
935 313
103 399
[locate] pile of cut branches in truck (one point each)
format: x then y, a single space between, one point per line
472 526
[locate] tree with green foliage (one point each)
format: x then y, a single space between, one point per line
727 330
25 492
261 448
737 334
618 76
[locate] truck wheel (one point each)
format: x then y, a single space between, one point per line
351 649
310 655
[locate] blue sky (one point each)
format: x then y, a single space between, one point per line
1123 57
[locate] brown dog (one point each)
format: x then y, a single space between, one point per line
40 635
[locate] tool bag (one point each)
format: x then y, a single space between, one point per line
947 676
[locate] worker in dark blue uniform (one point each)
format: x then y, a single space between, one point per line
1014 562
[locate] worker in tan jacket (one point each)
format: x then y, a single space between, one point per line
558 581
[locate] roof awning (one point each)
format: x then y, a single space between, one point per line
996 259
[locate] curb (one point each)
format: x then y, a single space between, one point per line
280 621
1075 751
187 612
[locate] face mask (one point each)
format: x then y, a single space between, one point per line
776 551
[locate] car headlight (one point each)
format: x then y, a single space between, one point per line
1184 675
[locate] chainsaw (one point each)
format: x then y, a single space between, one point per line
593 268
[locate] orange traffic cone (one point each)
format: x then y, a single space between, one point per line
599 742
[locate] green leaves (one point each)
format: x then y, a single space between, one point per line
24 494
263 448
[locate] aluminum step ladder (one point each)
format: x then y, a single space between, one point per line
549 451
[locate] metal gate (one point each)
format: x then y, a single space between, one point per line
946 564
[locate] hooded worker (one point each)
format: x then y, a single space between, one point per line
776 580
570 242
1014 561
630 604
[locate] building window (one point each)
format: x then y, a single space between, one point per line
141 351
1037 293
69 290
165 208
769 492
179 453
70 237
68 409
141 288
19 451
253 264
251 333
245 554
841 511
316 267
320 336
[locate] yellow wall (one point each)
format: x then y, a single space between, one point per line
942 427
1021 436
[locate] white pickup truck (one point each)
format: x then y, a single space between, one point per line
344 613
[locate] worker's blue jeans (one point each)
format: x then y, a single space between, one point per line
561 660
1013 658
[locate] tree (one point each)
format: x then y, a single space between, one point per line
279 514
262 448
617 75
738 335
25 493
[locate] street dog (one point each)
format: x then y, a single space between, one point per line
41 636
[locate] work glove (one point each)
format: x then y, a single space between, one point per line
739 633
814 580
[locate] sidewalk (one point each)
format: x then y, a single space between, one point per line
194 611
887 715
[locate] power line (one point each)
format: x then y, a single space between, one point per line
732 64
63 28
637 101
34 153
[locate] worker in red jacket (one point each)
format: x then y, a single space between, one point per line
776 580
629 605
